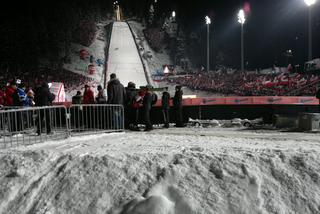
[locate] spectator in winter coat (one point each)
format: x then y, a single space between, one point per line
165 107
88 97
43 97
131 112
147 104
30 96
22 95
12 97
177 104
101 98
77 99
116 91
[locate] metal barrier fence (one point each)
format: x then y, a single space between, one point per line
88 119
25 126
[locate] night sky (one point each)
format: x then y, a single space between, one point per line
34 29
272 27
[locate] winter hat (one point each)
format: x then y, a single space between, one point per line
113 76
131 85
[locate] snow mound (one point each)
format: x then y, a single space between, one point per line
154 173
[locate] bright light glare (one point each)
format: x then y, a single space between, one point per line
310 2
208 20
241 17
173 14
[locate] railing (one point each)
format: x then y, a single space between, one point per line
25 126
88 119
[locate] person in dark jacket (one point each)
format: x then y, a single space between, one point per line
43 97
101 98
116 91
116 96
131 113
76 111
147 104
165 101
77 99
177 104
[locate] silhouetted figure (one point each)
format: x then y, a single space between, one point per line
166 107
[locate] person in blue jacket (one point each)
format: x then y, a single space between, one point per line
24 100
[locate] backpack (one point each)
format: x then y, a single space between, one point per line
154 98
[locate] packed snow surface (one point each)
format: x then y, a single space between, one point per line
124 59
172 171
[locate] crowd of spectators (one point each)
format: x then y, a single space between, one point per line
71 81
251 83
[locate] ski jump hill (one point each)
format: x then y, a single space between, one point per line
123 56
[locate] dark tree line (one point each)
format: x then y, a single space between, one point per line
33 32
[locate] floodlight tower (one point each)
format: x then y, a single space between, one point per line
309 3
208 22
242 20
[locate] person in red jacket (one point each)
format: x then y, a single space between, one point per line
11 94
88 96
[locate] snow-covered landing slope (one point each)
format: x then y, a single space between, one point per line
175 171
124 59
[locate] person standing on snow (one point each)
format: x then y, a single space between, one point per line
177 104
101 98
88 97
116 91
77 99
147 104
116 96
12 97
165 107
130 111
43 97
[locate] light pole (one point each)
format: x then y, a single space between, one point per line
309 3
242 20
208 22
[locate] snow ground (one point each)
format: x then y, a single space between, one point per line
167 171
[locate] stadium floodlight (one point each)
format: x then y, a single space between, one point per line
242 20
173 14
241 17
208 22
310 2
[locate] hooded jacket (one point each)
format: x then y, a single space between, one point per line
116 92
